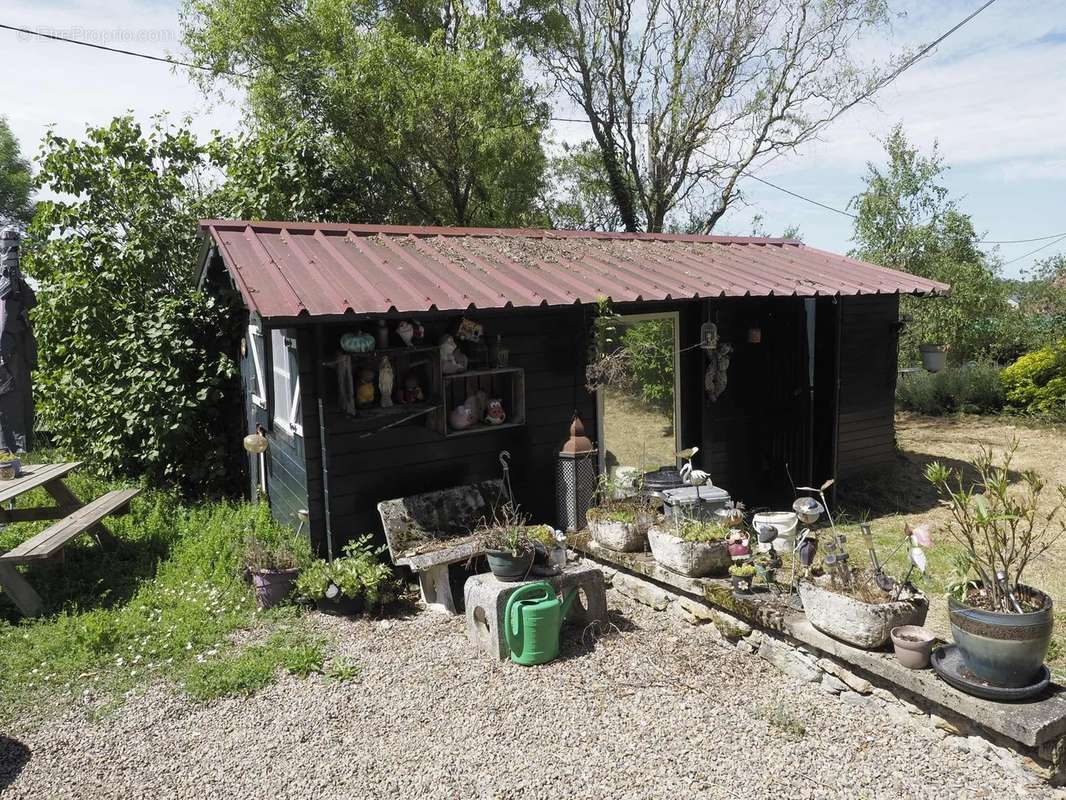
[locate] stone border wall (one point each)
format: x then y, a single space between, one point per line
843 682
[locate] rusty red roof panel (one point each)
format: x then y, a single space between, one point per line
291 269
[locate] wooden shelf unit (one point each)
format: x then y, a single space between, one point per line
508 384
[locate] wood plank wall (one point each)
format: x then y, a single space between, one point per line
549 344
866 437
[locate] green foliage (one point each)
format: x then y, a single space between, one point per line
358 574
742 570
650 344
972 389
135 371
16 181
162 604
907 221
247 670
342 670
274 547
699 531
613 512
428 105
543 535
1036 382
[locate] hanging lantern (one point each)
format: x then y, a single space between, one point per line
256 443
575 478
755 335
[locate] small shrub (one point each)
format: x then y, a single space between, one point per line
1036 382
697 531
358 574
972 389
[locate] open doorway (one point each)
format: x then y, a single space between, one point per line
639 423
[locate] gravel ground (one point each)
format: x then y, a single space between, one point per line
656 710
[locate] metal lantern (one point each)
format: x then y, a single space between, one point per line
575 478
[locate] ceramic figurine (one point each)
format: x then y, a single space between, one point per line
364 392
739 547
406 331
469 330
451 360
494 414
461 418
411 391
383 335
385 381
358 342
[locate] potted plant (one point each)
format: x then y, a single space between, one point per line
346 586
861 607
1001 626
273 565
742 575
549 547
507 543
934 356
693 547
9 465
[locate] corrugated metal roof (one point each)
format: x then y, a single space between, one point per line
289 269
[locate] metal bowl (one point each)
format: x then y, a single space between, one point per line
808 510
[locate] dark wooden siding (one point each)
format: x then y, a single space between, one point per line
866 435
549 344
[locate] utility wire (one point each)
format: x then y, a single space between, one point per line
172 61
1037 250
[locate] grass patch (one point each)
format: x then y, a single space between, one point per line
160 605
342 670
245 671
777 716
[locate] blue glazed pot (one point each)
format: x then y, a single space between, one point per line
1003 649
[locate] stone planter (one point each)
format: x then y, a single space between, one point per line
693 559
865 625
1003 649
624 537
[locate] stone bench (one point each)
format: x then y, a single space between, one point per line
431 531
486 598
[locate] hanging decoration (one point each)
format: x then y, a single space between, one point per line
717 352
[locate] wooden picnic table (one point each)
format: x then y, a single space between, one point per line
74 518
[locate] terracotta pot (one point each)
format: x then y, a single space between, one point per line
866 625
272 587
913 645
693 559
1003 649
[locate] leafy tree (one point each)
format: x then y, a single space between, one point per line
134 370
683 95
16 181
428 103
907 221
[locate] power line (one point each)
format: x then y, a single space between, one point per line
797 194
172 61
1023 241
1037 250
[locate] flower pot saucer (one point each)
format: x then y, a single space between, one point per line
948 663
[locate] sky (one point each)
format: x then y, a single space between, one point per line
993 95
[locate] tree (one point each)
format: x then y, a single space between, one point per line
427 102
16 181
907 221
683 95
135 369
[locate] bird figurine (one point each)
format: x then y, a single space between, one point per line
693 477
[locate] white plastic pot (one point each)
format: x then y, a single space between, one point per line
785 522
934 357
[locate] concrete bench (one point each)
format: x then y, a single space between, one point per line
50 542
428 532
486 599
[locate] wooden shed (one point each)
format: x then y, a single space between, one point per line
809 390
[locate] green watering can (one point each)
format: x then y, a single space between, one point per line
532 621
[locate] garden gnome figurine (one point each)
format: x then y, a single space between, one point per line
18 348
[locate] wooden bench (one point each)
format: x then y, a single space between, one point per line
428 532
50 542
